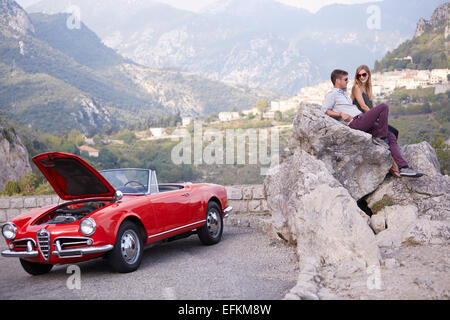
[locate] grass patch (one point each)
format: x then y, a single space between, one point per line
385 202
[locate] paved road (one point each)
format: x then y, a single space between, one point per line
246 264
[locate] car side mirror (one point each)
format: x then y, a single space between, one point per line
118 196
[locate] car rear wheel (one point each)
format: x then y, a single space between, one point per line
128 249
35 269
211 232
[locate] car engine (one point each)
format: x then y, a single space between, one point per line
72 212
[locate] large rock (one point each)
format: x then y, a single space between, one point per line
311 208
349 155
404 227
13 17
430 193
13 157
423 203
312 198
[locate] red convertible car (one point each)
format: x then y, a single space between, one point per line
112 213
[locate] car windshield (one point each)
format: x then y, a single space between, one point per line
129 181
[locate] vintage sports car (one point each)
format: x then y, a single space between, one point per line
112 213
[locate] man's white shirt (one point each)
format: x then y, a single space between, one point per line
337 100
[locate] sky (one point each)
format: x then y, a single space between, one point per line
198 5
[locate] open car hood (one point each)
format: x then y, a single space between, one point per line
71 177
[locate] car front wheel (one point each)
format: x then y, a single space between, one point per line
128 249
35 269
211 232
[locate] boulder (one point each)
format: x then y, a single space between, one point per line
430 194
423 157
312 209
378 223
13 157
349 155
421 207
404 227
312 196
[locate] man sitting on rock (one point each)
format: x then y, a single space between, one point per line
338 105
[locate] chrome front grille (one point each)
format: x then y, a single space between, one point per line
72 242
22 244
43 240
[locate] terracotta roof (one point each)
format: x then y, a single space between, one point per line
87 149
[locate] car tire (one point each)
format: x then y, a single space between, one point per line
35 269
211 232
128 250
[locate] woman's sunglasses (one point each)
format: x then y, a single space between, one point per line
363 75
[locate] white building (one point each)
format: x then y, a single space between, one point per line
90 151
285 105
157 132
247 112
185 121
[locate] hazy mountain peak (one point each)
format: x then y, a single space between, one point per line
216 7
13 17
439 15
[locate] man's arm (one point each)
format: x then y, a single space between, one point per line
328 105
342 115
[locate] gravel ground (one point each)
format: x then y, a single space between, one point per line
246 264
408 273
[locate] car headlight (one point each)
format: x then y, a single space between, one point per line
9 231
87 226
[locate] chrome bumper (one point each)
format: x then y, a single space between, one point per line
69 253
227 211
19 254
79 252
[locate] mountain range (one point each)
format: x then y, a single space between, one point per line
428 49
55 78
257 43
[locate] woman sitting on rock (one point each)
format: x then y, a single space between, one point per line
363 99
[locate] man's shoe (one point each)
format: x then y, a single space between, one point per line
410 173
380 141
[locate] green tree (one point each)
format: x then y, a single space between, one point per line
11 188
76 137
261 105
126 136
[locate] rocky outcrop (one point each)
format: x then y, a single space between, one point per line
349 155
419 210
312 209
439 16
13 17
13 157
313 198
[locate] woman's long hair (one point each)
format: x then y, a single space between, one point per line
368 84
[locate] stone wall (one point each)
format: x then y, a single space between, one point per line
11 207
247 199
244 199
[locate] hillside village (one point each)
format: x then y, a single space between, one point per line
383 85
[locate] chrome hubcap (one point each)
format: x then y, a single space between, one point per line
213 223
130 247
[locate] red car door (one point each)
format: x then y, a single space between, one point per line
173 211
